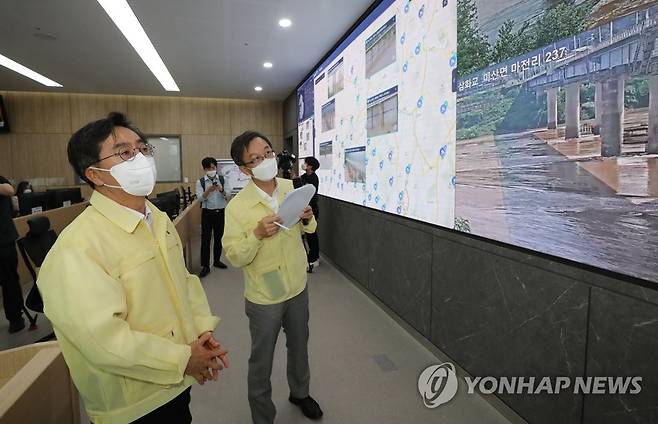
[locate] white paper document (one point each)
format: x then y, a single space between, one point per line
294 203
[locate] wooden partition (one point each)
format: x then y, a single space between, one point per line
36 387
188 225
59 219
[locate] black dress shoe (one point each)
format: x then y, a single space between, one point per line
309 407
204 271
16 326
220 264
309 270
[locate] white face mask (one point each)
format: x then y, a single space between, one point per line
266 170
211 174
136 176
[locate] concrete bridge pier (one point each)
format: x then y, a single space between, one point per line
598 108
572 111
652 145
612 117
551 97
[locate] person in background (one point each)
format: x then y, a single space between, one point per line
210 192
311 165
134 325
12 295
274 267
22 188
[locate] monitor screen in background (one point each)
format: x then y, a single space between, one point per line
379 113
4 124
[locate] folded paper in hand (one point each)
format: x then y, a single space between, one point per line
294 203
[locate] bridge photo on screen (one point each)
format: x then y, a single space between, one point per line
565 162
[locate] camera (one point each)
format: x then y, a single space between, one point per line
286 162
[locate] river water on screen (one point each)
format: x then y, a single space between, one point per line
517 189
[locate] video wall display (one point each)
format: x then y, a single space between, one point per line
306 122
541 137
384 111
554 147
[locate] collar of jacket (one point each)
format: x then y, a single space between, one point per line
253 197
117 213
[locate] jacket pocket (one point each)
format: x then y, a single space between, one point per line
270 282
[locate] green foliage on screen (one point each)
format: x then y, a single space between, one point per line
462 225
636 94
472 48
563 20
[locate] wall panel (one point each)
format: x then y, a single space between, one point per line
42 123
155 115
38 112
200 146
39 155
205 116
86 108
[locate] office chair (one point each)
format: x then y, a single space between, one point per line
34 247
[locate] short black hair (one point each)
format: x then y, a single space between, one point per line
241 143
313 162
206 162
22 186
85 145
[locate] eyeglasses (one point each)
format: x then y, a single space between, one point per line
127 153
258 159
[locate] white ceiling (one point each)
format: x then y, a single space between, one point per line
213 48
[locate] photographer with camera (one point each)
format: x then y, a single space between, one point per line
210 192
310 165
286 163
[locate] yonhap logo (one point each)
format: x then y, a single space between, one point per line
438 384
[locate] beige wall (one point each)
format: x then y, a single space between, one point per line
42 123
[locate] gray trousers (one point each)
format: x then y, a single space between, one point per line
265 322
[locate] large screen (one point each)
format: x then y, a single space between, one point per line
557 148
550 143
379 113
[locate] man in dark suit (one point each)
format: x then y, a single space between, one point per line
12 296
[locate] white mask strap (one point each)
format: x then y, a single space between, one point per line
104 184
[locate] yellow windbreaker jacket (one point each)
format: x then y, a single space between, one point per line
274 268
124 309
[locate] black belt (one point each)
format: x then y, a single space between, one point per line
213 210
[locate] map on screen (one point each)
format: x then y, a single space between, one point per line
379 113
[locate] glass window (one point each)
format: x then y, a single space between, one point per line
167 157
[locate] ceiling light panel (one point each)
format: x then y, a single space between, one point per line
17 67
124 18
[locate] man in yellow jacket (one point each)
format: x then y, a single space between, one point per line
133 324
274 266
